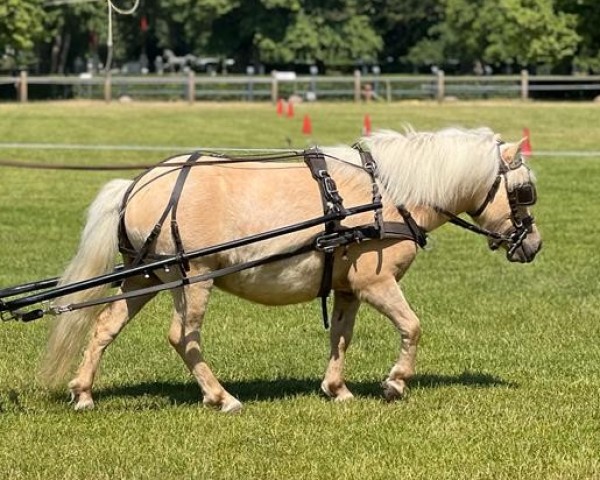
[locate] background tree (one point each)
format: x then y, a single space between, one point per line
587 13
402 24
499 32
400 35
330 32
20 29
75 35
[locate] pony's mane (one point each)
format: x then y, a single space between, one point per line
434 168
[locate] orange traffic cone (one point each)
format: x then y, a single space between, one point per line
526 147
280 107
306 125
367 125
290 109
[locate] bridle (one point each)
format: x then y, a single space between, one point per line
521 196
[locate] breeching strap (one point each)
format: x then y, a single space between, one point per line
171 208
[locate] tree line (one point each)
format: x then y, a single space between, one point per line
459 36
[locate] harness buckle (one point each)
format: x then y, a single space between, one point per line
328 182
60 309
328 242
370 166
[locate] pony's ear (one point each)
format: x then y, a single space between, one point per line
510 154
521 142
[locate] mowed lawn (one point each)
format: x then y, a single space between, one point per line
508 382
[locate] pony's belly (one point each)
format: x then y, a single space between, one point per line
273 286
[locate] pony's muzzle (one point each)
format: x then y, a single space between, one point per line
526 252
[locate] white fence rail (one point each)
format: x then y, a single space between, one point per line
357 87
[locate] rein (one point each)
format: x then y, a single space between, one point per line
219 159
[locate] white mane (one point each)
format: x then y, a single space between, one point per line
425 168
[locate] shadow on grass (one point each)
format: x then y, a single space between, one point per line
178 393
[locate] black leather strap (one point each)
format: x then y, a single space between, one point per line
171 208
332 203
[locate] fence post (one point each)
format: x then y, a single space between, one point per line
524 84
357 85
274 87
441 86
388 91
108 87
191 87
23 88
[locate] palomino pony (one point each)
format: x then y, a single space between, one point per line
424 179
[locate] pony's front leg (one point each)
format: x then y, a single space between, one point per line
108 325
388 299
345 306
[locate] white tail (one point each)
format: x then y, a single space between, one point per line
96 255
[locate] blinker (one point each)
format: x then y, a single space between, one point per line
525 195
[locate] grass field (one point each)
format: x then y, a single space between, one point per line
508 382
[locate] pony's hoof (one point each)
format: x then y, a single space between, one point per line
84 404
80 400
230 405
233 406
342 394
395 390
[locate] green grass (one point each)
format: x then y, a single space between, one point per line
508 370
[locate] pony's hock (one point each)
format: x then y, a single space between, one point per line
276 232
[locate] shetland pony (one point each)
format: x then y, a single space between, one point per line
433 175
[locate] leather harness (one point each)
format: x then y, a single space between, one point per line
334 235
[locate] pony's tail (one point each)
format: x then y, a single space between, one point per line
96 255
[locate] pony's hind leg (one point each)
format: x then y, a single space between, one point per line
185 337
387 298
109 323
345 307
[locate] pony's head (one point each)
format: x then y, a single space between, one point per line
505 208
457 170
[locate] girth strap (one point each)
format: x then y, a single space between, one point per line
332 203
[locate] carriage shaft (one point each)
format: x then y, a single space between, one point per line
119 275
